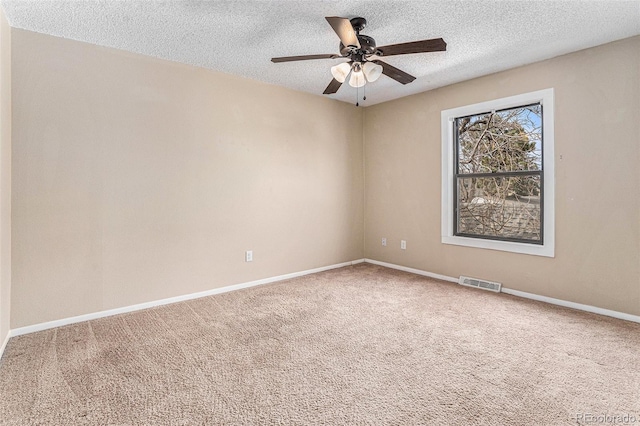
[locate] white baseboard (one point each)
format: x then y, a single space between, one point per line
4 344
86 317
551 300
573 305
413 270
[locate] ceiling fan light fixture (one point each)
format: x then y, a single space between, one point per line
372 71
341 71
357 79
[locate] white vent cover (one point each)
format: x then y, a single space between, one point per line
477 283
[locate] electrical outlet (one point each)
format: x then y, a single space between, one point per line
248 256
403 244
384 242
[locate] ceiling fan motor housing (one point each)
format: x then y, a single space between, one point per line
367 47
367 44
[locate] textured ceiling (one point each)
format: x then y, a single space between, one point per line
240 37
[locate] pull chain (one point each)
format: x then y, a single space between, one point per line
357 96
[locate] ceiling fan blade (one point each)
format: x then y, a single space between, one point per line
304 58
342 27
422 46
332 87
393 72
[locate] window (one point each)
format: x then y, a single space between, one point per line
497 174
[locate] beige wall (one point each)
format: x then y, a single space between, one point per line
5 176
137 179
597 144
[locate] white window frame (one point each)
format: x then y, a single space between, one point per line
546 98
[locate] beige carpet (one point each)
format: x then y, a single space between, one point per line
357 345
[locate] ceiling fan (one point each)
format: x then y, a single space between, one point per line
360 49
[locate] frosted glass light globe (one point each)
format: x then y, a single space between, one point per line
341 71
372 71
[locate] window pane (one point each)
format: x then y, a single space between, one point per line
500 207
501 141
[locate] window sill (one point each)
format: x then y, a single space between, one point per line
546 250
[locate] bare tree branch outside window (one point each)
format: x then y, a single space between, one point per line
499 175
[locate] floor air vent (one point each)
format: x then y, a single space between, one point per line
485 285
